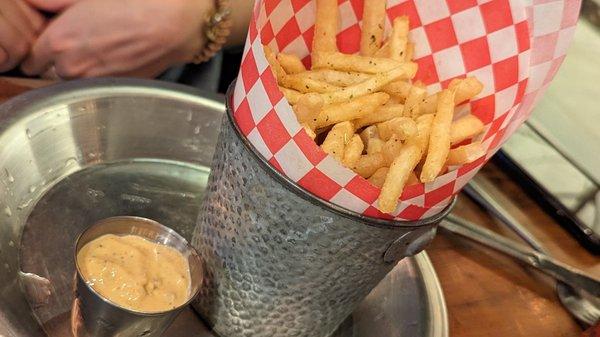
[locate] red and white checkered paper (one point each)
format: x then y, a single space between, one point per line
513 46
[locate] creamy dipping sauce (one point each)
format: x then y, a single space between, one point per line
135 273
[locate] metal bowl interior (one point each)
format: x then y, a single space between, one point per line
70 147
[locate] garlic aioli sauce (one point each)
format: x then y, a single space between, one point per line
135 273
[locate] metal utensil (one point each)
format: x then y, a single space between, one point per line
542 262
585 308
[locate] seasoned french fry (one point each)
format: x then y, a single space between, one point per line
439 140
326 26
306 85
362 64
397 177
384 51
465 128
336 139
378 177
375 145
368 133
275 66
403 127
421 139
419 84
308 108
367 87
465 88
410 51
290 63
414 99
310 132
399 38
382 114
291 95
391 149
400 89
353 151
353 109
412 179
465 154
335 77
368 164
373 24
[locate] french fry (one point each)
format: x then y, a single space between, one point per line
421 139
275 66
412 179
384 51
465 128
335 77
336 139
308 109
368 164
290 63
375 146
368 133
397 177
310 132
465 88
367 87
291 95
410 51
373 24
414 99
382 114
378 177
465 154
399 38
353 151
353 109
306 85
361 64
391 149
403 127
439 140
400 89
326 26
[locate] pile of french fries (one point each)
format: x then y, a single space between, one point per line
367 112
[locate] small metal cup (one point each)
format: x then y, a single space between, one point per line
99 316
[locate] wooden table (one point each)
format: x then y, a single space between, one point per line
487 294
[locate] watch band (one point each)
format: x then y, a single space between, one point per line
216 30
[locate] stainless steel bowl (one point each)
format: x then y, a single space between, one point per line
79 152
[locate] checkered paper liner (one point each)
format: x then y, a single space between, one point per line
509 45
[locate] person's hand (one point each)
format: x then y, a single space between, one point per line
140 38
19 27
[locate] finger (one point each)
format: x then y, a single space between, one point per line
13 44
16 18
41 56
51 5
35 19
3 56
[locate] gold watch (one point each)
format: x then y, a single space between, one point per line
216 30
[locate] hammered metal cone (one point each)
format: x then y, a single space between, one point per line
281 262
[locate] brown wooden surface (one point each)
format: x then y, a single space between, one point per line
487 293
